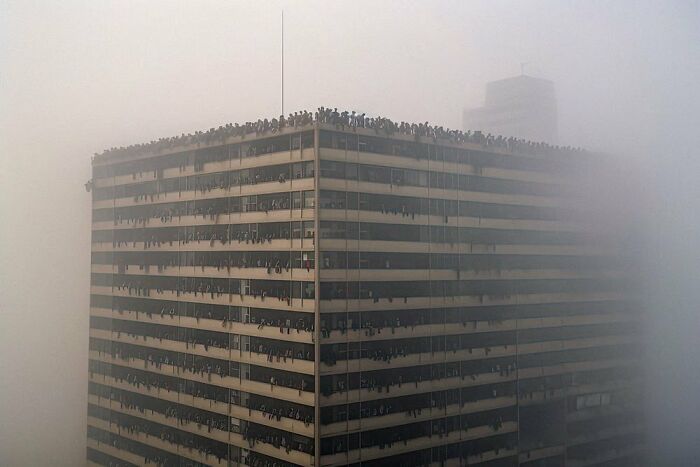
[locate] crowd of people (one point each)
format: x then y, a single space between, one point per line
201 367
168 239
372 327
386 381
277 438
198 236
210 213
273 352
204 184
223 261
300 325
184 414
270 408
340 119
276 413
386 352
132 426
140 288
285 326
441 428
280 354
151 456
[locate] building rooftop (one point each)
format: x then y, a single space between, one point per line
341 119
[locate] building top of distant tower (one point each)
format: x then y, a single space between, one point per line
521 106
509 90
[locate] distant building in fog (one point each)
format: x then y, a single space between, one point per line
523 106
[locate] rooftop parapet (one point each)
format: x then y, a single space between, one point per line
341 120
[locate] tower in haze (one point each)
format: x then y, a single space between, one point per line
334 290
522 106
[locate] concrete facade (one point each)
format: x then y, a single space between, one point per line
335 296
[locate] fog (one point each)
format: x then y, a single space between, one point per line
78 77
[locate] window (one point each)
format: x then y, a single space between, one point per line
296 200
235 425
332 199
332 169
308 229
296 229
309 199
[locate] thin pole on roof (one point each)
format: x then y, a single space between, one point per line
282 62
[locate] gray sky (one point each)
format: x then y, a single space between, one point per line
77 77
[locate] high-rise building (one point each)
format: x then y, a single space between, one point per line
343 291
522 106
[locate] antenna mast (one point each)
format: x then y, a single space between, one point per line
282 62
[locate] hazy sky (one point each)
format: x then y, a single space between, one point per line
77 77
